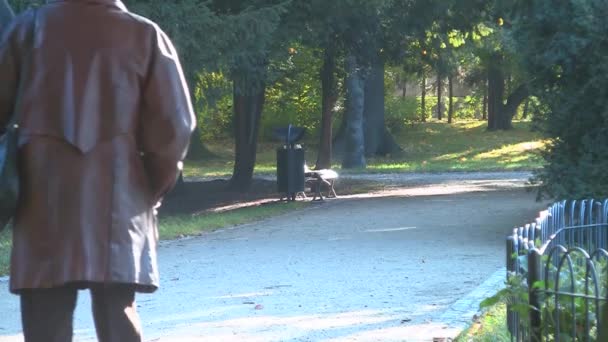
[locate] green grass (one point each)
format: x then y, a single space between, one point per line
180 226
427 147
491 327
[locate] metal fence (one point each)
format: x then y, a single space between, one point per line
557 268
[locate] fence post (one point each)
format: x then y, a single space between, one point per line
603 321
512 320
535 275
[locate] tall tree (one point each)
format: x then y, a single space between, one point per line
328 102
563 50
364 39
439 93
320 24
255 31
354 156
501 113
498 63
188 23
423 97
236 36
450 99
377 139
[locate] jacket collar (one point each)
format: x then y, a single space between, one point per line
116 3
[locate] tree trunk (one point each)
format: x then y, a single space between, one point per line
500 116
439 111
404 90
484 109
377 138
197 150
496 88
451 99
248 105
329 89
524 115
423 98
519 95
354 148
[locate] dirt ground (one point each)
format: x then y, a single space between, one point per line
408 263
199 196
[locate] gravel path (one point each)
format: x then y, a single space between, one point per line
407 264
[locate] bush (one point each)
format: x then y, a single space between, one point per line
469 107
213 105
400 111
563 52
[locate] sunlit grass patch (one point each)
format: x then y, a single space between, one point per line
490 327
187 225
427 147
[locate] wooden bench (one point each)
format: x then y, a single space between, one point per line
316 179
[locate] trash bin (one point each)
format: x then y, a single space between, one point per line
290 162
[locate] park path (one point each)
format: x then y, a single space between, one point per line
407 264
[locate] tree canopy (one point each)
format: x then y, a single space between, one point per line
244 58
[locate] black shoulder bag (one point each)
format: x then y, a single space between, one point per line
9 173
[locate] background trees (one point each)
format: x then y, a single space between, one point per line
257 64
562 47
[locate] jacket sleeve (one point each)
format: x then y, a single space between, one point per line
167 118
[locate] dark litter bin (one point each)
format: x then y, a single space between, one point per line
290 161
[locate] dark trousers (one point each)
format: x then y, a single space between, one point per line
47 314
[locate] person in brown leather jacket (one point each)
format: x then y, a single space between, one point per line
105 120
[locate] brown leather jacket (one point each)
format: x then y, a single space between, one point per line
105 120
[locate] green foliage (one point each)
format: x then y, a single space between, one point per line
561 315
214 105
490 327
401 111
197 33
469 107
188 225
564 315
296 97
564 50
429 147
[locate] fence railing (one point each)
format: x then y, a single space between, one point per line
560 263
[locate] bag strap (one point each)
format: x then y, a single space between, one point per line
14 121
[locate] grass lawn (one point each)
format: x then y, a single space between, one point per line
427 147
490 327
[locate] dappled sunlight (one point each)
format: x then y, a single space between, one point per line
426 147
446 188
418 332
362 325
245 295
458 156
513 153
